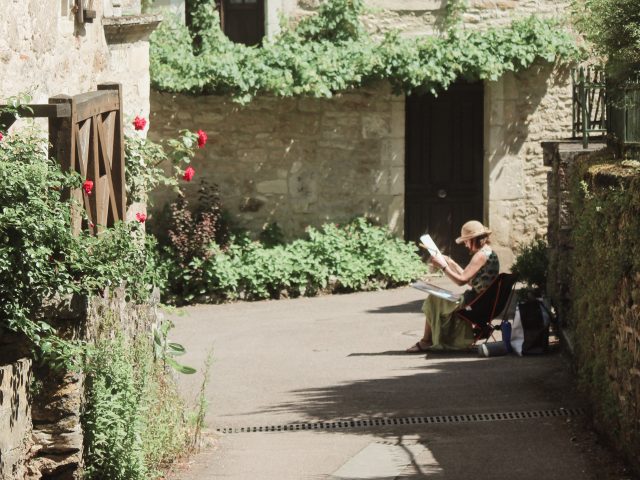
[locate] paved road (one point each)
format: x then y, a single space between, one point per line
326 360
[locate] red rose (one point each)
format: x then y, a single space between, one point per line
141 217
188 174
1 136
139 123
87 186
202 139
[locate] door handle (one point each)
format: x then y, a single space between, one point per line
442 193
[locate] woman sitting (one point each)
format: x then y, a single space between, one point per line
442 330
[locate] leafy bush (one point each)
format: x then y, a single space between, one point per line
356 256
146 160
332 52
532 264
133 420
605 295
41 261
193 236
613 27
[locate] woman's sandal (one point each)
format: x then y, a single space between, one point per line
417 348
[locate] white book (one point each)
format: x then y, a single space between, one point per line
428 243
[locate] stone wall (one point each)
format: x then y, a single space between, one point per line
521 110
297 162
43 51
424 17
40 429
306 161
15 418
594 282
562 157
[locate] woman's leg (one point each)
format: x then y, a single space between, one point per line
434 309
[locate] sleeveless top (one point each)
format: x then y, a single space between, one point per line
485 276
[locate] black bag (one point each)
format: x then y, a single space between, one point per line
535 318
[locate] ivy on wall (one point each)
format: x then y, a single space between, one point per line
605 293
331 52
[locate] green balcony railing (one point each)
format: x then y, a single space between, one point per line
624 113
590 112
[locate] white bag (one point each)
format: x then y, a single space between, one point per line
517 333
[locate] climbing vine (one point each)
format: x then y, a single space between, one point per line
605 269
331 52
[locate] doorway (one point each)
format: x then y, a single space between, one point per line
444 164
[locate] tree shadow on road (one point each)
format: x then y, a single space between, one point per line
451 384
445 384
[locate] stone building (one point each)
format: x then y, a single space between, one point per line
46 49
414 163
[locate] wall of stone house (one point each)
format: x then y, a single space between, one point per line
298 161
43 51
521 110
420 17
306 161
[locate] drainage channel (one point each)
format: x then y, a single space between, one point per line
393 421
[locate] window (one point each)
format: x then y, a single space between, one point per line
242 20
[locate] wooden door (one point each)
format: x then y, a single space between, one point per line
444 165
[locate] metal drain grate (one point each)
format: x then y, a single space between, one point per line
392 421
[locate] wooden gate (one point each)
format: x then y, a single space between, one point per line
86 136
444 164
90 141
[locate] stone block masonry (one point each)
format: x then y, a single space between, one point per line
425 17
44 52
41 434
305 161
15 418
299 161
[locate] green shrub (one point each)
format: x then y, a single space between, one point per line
41 261
356 256
605 268
613 27
134 419
532 264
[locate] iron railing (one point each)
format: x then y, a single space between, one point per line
624 111
590 113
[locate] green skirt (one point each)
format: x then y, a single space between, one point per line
448 331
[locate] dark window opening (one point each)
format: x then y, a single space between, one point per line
242 20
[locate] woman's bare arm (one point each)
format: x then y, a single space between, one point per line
462 278
454 266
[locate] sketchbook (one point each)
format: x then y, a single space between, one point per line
430 245
437 291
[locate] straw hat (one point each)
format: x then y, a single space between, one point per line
472 229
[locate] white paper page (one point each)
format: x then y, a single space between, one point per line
432 248
437 291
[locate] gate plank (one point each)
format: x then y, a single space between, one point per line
83 135
117 158
93 103
102 202
102 138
